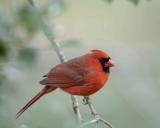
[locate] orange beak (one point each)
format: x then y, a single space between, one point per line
109 64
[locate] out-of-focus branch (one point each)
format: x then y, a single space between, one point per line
49 34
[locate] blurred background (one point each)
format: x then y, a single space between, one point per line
129 30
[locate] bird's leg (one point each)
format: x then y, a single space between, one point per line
97 118
76 109
87 101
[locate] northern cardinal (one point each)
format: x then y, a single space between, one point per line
81 76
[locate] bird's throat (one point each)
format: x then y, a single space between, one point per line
106 69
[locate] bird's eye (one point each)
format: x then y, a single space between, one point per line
107 59
104 60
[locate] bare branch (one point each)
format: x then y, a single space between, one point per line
97 117
49 34
76 109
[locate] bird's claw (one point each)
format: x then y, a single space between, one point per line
85 101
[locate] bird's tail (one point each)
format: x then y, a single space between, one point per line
44 91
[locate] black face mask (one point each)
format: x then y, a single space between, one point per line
103 61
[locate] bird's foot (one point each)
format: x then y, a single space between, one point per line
85 101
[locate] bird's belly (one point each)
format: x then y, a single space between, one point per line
83 90
92 87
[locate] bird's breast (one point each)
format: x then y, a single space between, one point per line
89 87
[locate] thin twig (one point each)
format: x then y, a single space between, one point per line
49 34
97 117
76 109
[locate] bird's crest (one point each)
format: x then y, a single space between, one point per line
99 53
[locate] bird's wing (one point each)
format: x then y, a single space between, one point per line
64 76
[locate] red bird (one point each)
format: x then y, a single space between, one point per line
81 76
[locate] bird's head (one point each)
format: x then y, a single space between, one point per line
104 59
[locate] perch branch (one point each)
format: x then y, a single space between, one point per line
97 117
49 34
